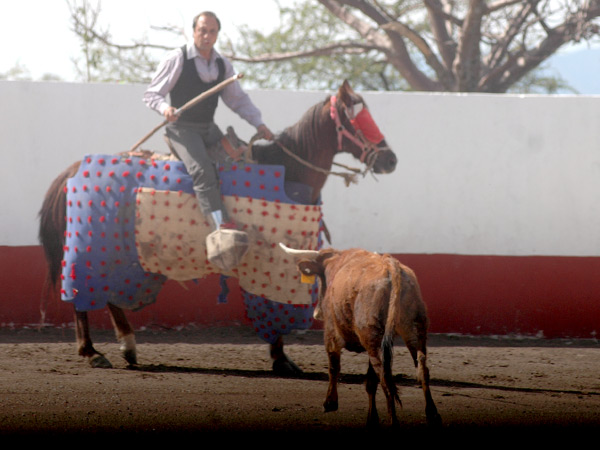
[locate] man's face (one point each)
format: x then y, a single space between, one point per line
205 34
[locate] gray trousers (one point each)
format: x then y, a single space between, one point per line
191 141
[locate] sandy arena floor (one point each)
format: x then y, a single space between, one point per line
219 380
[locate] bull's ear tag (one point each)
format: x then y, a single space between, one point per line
308 279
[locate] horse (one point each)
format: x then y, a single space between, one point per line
303 152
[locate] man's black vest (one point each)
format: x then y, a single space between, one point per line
190 85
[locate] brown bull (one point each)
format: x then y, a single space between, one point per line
365 301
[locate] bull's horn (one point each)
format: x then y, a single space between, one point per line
299 253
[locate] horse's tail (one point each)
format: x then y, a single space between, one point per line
53 224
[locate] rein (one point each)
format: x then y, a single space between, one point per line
348 177
368 156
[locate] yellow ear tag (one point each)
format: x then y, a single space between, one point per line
309 279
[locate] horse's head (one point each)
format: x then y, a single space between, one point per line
357 132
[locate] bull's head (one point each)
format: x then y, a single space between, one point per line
310 263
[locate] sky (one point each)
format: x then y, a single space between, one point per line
36 34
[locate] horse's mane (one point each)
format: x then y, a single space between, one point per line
303 134
300 138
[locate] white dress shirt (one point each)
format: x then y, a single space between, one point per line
168 73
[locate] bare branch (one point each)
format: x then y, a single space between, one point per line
362 27
442 74
338 47
501 4
399 57
437 20
532 59
436 7
468 62
488 82
137 45
499 51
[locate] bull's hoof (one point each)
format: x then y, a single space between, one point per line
318 313
434 420
330 405
98 361
373 423
285 367
130 356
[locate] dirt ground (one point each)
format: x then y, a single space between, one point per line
219 380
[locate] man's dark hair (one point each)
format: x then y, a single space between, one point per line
207 14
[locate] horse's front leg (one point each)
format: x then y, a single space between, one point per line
124 333
84 342
282 365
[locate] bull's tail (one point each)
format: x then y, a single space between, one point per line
387 348
387 343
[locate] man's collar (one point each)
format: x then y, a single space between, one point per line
192 52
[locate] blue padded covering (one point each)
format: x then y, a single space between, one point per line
100 263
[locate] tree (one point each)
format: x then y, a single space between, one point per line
448 45
431 45
17 73
21 73
310 49
104 60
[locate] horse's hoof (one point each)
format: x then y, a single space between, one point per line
98 361
128 349
130 356
286 368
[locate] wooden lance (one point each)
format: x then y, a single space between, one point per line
188 105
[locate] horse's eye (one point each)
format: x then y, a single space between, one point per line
356 108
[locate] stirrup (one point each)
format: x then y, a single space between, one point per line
232 145
225 248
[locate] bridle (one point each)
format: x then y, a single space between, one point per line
359 137
367 136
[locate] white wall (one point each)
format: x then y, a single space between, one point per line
481 174
477 174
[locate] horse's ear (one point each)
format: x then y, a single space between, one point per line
345 93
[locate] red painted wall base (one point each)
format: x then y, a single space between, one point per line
22 275
529 295
478 295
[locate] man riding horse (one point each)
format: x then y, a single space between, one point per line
282 175
184 74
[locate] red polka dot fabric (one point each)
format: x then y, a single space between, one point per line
133 223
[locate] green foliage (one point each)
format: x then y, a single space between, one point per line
103 61
21 73
542 81
17 73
